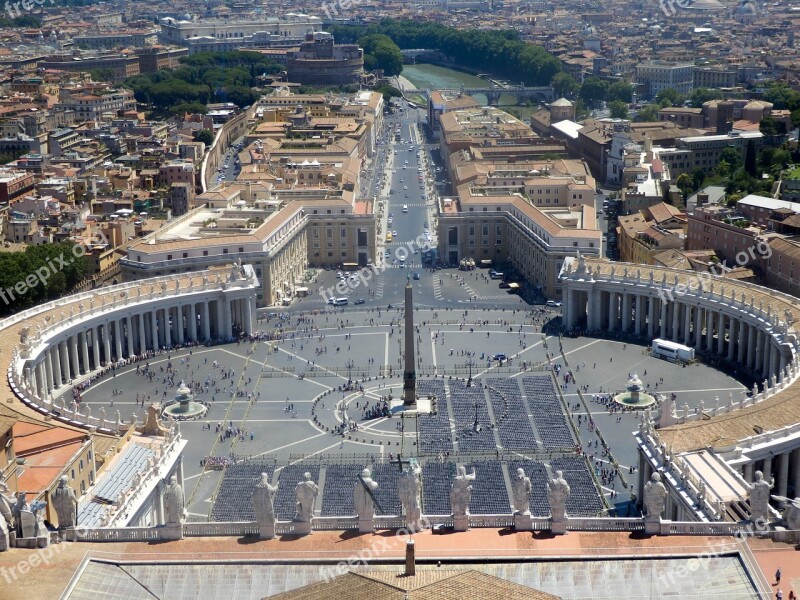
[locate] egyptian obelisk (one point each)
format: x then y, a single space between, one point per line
410 373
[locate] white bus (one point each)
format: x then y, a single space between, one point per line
340 301
672 351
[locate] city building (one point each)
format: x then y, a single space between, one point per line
655 77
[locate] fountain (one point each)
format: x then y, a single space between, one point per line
184 407
634 396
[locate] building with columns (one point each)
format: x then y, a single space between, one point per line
730 321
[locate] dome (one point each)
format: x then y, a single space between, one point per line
746 8
561 102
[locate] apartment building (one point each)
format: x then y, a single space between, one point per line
705 152
728 233
655 77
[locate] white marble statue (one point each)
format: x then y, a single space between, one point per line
461 491
66 504
174 502
759 498
362 496
264 506
655 494
409 488
557 495
521 487
306 493
20 506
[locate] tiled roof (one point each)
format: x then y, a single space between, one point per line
425 585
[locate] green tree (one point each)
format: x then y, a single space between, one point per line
669 97
732 156
594 90
205 136
647 114
684 183
621 90
723 169
769 126
564 85
750 159
700 95
698 177
619 109
380 52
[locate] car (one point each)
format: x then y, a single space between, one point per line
425 224
599 212
359 301
553 303
386 254
416 276
499 356
394 233
331 300
504 285
405 187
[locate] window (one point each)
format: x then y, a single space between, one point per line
343 232
169 256
224 250
472 229
205 252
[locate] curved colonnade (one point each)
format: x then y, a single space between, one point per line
743 324
65 342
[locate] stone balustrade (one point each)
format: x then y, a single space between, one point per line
250 528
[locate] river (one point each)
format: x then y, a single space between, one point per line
423 75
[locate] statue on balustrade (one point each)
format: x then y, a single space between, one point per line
306 492
174 502
655 494
363 494
759 498
557 495
461 491
6 505
66 504
522 493
409 488
264 506
20 506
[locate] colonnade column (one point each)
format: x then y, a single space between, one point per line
626 312
651 316
56 360
612 311
41 380
676 318
747 472
697 334
48 371
732 338
709 330
96 346
751 345
206 324
142 334
179 322
721 333
639 314
226 321
84 342
796 476
167 327
663 330
154 329
107 342
773 361
73 356
783 473
191 322
248 315
742 341
687 324
767 470
129 334
117 339
63 352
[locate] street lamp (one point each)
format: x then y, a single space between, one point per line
471 362
350 364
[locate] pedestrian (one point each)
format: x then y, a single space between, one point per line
778 576
779 595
